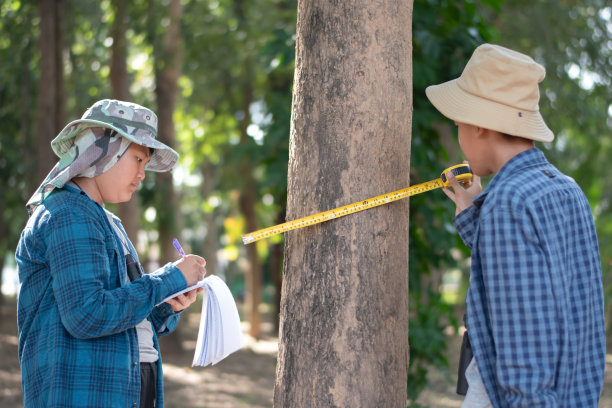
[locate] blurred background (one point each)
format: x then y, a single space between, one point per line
219 75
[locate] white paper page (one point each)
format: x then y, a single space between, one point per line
231 331
201 342
216 326
200 284
220 333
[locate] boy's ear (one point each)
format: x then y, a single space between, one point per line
480 132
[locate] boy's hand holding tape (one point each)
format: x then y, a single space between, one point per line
462 193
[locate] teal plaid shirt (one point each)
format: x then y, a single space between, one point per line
77 311
535 302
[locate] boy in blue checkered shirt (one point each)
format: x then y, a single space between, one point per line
534 305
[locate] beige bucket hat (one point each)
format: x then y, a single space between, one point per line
497 90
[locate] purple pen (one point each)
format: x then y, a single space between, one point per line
178 247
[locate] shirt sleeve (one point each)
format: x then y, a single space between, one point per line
164 319
465 224
521 307
84 279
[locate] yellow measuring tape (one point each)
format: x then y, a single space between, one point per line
462 172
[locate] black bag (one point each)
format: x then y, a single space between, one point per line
134 270
464 360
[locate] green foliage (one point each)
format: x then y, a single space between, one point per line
572 39
87 41
239 65
238 71
444 35
18 60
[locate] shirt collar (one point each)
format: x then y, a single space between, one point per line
74 188
518 163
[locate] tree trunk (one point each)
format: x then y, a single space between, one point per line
120 85
344 307
276 269
3 246
253 273
168 57
248 190
120 80
247 200
51 86
210 246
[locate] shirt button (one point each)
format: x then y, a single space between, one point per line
135 364
134 405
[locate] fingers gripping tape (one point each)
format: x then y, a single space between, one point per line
462 173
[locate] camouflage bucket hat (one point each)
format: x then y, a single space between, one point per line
134 122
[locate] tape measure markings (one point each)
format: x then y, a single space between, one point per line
461 171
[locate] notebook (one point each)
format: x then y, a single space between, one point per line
220 332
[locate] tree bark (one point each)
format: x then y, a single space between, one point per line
344 307
128 212
247 200
51 84
248 190
276 270
168 59
211 241
253 275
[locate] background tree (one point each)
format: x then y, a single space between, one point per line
120 89
344 310
18 102
248 188
233 56
167 50
51 87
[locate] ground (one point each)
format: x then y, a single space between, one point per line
244 379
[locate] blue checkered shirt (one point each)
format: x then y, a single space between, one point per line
535 301
77 312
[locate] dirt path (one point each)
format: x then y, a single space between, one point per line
244 379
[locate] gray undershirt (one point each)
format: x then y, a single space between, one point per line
144 329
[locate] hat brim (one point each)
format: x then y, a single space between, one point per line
461 106
163 159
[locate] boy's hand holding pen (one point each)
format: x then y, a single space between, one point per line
193 268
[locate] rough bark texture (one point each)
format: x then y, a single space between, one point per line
344 310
